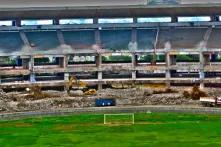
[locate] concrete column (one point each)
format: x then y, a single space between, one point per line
25 63
62 62
17 23
56 22
0 79
31 68
134 75
65 61
201 71
100 77
168 60
66 77
31 63
207 59
168 73
134 60
99 61
134 64
174 19
32 78
60 37
97 32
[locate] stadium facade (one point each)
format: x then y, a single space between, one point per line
172 52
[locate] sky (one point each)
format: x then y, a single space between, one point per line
103 20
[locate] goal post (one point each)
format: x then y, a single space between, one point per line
121 118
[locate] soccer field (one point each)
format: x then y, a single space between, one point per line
88 130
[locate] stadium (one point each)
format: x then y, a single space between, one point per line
79 57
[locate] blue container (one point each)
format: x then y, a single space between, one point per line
105 102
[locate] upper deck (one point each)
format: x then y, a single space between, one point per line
26 9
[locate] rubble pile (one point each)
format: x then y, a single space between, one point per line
168 99
56 103
18 101
4 101
147 97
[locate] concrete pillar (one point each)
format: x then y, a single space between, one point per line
201 71
168 60
168 73
66 77
32 78
134 64
60 37
56 22
134 60
174 19
207 59
65 61
25 63
31 63
172 60
0 79
17 23
61 62
100 77
134 35
134 75
99 61
97 33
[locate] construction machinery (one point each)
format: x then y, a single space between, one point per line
74 84
211 101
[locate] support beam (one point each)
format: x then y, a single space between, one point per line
60 37
97 33
155 46
24 38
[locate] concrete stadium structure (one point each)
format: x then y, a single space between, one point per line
64 42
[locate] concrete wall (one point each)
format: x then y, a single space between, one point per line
67 3
200 1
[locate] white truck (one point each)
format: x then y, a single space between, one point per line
211 101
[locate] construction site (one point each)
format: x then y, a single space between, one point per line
143 52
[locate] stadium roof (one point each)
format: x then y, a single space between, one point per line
32 9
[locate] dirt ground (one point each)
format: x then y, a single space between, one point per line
19 101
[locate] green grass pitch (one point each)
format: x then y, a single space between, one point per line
88 130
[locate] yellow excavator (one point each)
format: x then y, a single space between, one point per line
74 84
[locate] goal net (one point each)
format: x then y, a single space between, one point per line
122 118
